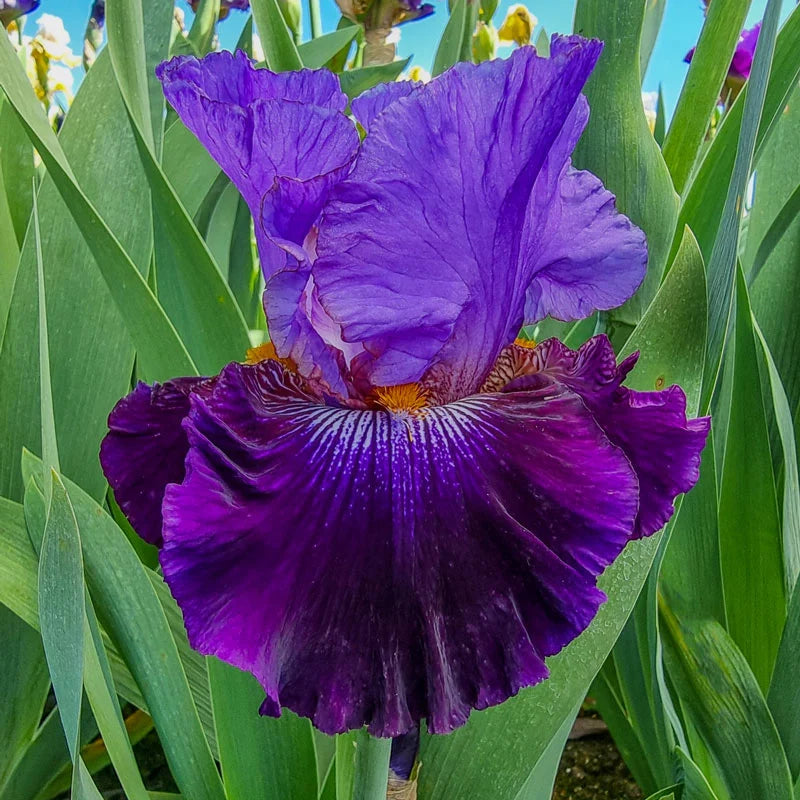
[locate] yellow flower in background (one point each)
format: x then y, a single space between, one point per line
517 27
53 39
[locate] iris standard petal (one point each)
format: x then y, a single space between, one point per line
284 142
662 445
367 106
419 249
145 448
376 568
583 254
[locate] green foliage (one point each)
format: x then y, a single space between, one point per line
617 144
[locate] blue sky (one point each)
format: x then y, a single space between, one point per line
682 23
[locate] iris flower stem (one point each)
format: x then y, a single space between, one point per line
315 18
371 767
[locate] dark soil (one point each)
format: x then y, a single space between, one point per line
592 769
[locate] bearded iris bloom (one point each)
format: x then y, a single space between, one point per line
395 510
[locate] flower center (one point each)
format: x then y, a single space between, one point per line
409 397
530 344
266 352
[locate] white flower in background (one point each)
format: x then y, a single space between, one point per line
416 74
394 36
59 79
650 103
54 39
258 48
48 63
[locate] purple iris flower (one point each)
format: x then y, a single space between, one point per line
11 9
394 511
98 13
225 6
742 61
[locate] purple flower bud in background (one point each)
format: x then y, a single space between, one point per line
93 36
11 9
396 509
741 63
224 7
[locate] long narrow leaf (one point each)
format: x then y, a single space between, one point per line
449 50
125 27
261 758
785 217
722 263
129 609
356 81
318 52
91 354
617 144
784 689
791 485
156 340
703 203
722 698
280 50
61 609
749 527
701 89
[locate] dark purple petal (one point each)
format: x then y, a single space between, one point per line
367 106
404 754
582 253
372 567
145 447
419 248
662 446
